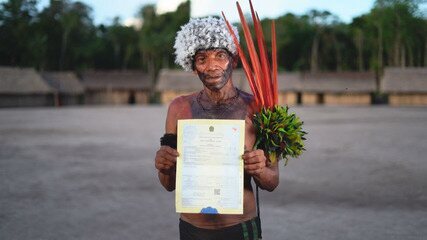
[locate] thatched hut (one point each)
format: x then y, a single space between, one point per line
405 86
338 88
289 87
24 87
69 89
173 83
116 87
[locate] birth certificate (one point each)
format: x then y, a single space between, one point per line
209 175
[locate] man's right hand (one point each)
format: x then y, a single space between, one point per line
166 160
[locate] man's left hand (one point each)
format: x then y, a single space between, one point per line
255 162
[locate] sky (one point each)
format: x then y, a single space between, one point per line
105 10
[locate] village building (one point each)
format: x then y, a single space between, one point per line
405 86
24 87
117 87
289 87
69 90
172 83
337 88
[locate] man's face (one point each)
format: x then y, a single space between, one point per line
214 67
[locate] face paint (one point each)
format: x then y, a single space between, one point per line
214 68
216 85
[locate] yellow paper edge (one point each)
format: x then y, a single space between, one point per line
178 187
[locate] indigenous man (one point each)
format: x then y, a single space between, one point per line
205 47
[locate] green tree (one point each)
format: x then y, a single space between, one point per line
17 30
320 20
401 32
125 43
70 32
294 35
157 36
63 37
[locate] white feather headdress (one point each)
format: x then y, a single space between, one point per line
202 33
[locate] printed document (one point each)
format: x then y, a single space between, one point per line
209 175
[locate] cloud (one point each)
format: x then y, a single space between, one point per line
164 6
133 22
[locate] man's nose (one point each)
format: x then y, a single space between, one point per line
212 64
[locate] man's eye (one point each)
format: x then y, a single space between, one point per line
222 55
200 60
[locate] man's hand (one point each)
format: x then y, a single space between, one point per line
255 162
165 160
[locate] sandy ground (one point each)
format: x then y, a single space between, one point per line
88 173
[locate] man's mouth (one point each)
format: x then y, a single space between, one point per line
213 77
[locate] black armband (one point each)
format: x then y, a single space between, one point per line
168 139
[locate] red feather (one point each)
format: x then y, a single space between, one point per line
246 67
274 62
261 77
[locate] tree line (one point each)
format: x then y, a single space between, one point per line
63 36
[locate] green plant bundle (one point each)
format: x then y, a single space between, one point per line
279 133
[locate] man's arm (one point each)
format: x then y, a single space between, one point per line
266 175
165 160
166 166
